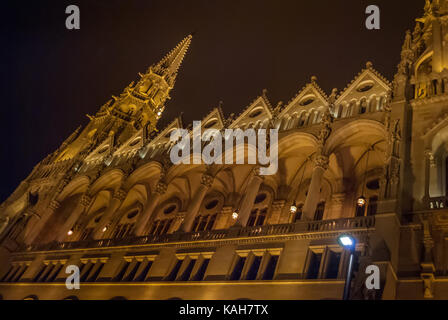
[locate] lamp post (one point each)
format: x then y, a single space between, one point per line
348 242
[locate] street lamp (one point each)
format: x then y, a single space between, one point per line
348 242
293 208
361 201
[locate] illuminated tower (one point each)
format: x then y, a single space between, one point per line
139 105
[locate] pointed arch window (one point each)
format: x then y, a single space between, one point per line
373 206
298 215
204 223
160 227
363 106
257 217
319 213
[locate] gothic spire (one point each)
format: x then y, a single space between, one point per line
170 64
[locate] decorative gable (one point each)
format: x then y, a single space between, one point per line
311 97
214 120
256 115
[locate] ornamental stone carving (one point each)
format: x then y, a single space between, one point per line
207 180
54 205
321 162
161 188
86 200
120 194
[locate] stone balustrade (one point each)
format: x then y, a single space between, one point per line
301 227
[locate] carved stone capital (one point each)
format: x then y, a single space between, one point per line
430 156
86 200
321 162
119 194
207 180
161 188
338 198
278 204
54 205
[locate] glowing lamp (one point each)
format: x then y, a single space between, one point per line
347 241
70 232
361 201
235 215
293 208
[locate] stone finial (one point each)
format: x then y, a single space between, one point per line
313 78
369 64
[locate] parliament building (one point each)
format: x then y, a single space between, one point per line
369 161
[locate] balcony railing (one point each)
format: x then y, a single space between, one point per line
257 231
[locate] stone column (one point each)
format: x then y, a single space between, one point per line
320 165
248 201
74 216
147 214
32 233
429 158
337 206
435 185
224 218
177 223
276 210
117 199
195 204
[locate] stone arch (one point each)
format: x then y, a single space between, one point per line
359 127
77 185
110 180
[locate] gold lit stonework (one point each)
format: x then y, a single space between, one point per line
109 197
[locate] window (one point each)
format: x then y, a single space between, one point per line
373 206
86 234
360 210
123 230
203 223
254 267
270 268
314 265
55 273
143 274
298 215
334 259
257 217
174 271
238 268
187 272
362 107
160 227
131 271
319 213
201 272
95 272
86 271
325 262
39 274
15 273
122 272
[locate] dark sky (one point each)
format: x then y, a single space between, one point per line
51 77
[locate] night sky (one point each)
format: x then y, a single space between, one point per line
52 77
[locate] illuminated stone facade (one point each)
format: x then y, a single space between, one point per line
110 201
